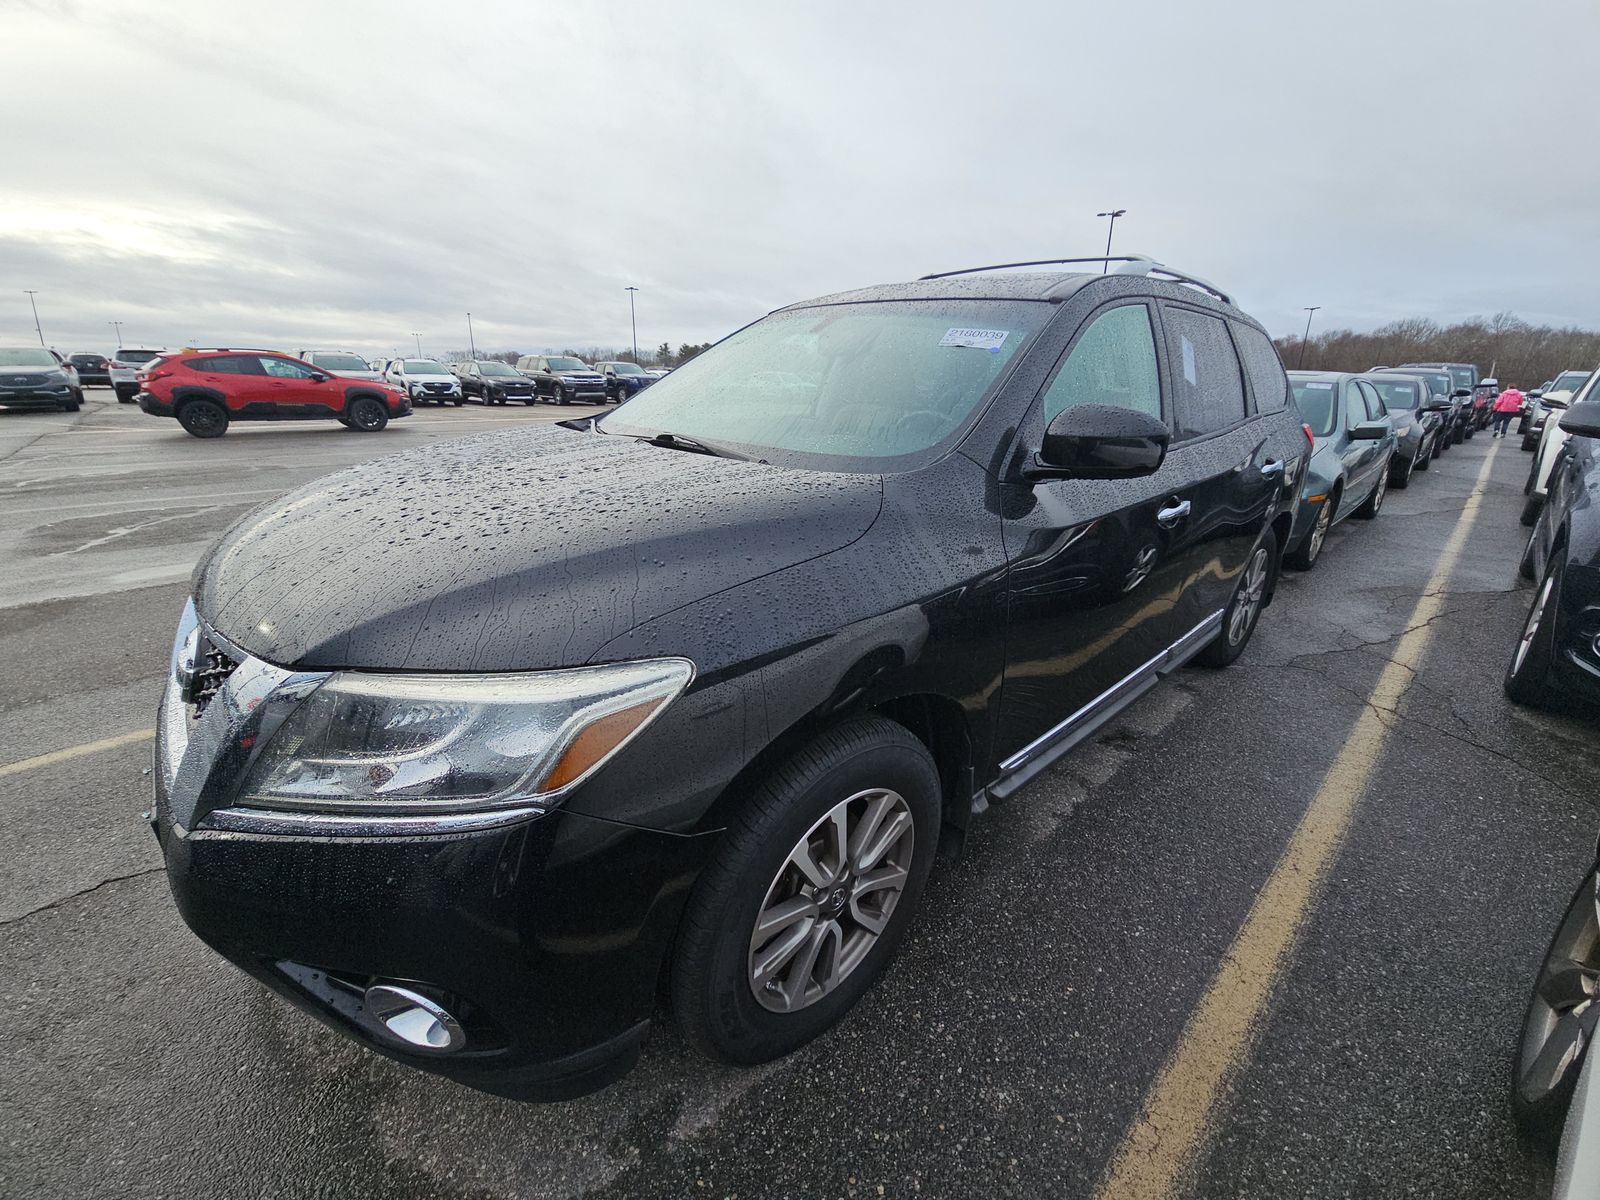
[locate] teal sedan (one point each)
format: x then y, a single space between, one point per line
1352 443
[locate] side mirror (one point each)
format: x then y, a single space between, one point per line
321 378
1100 441
1369 431
1462 393
1582 420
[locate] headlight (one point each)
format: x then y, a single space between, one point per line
428 743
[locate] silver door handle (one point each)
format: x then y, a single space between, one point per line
1173 514
1272 468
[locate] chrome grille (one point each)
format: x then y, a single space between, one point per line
211 670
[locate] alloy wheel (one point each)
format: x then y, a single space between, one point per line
1319 531
1531 629
1248 603
1563 1013
831 900
1378 492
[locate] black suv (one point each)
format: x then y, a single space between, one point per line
92 369
563 380
493 382
472 791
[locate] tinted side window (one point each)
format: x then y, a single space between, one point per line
1205 371
1355 408
1263 367
283 368
226 364
1114 362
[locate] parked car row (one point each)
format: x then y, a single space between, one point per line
1555 665
880 587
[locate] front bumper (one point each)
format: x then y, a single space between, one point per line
34 398
544 934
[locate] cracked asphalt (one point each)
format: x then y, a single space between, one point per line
1011 1045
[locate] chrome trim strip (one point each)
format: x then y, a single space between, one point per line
1021 757
336 825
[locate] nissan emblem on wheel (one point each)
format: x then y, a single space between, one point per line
478 792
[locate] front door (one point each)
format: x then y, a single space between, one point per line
294 386
1093 575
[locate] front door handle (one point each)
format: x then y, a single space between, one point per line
1272 468
1173 513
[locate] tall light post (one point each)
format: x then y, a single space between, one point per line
31 295
418 336
471 345
1306 336
117 325
1110 229
633 321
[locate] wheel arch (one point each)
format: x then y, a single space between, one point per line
358 392
186 393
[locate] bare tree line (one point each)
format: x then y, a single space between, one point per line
1505 345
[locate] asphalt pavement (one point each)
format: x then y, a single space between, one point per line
1051 975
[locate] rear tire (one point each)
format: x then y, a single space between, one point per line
1425 459
1400 470
366 415
1244 610
1525 565
203 419
1374 503
1531 509
1304 556
723 1003
1529 442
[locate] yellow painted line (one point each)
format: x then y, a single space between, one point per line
71 752
1176 1123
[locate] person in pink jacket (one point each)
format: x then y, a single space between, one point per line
1507 405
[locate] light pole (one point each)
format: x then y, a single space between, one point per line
1306 336
1110 229
31 295
472 345
117 325
418 336
633 321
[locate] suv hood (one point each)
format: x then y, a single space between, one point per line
516 550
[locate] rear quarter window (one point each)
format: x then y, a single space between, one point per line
1263 368
1208 383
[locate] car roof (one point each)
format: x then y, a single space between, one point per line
1045 287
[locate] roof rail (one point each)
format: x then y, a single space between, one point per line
1133 264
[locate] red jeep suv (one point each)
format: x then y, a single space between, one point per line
206 389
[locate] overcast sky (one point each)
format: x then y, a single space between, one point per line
339 173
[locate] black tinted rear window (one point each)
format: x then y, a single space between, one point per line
1263 367
1209 384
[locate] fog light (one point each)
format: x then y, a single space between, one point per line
412 1020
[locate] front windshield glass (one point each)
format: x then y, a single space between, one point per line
414 366
854 382
24 357
568 364
1398 393
494 368
1315 400
1462 376
627 369
339 362
1568 381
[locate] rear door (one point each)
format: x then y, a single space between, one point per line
1226 473
1093 578
237 376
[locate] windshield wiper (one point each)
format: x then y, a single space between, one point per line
678 441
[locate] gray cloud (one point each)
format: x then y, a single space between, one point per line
350 173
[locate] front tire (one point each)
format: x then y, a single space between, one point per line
1400 470
562 398
203 419
810 894
1531 509
366 415
1244 610
1528 678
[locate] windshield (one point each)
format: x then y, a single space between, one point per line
339 362
568 364
27 358
1398 393
851 382
627 369
494 368
136 356
413 366
1315 399
1462 376
1568 381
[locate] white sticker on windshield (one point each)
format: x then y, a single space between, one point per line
1318 387
975 339
1189 372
